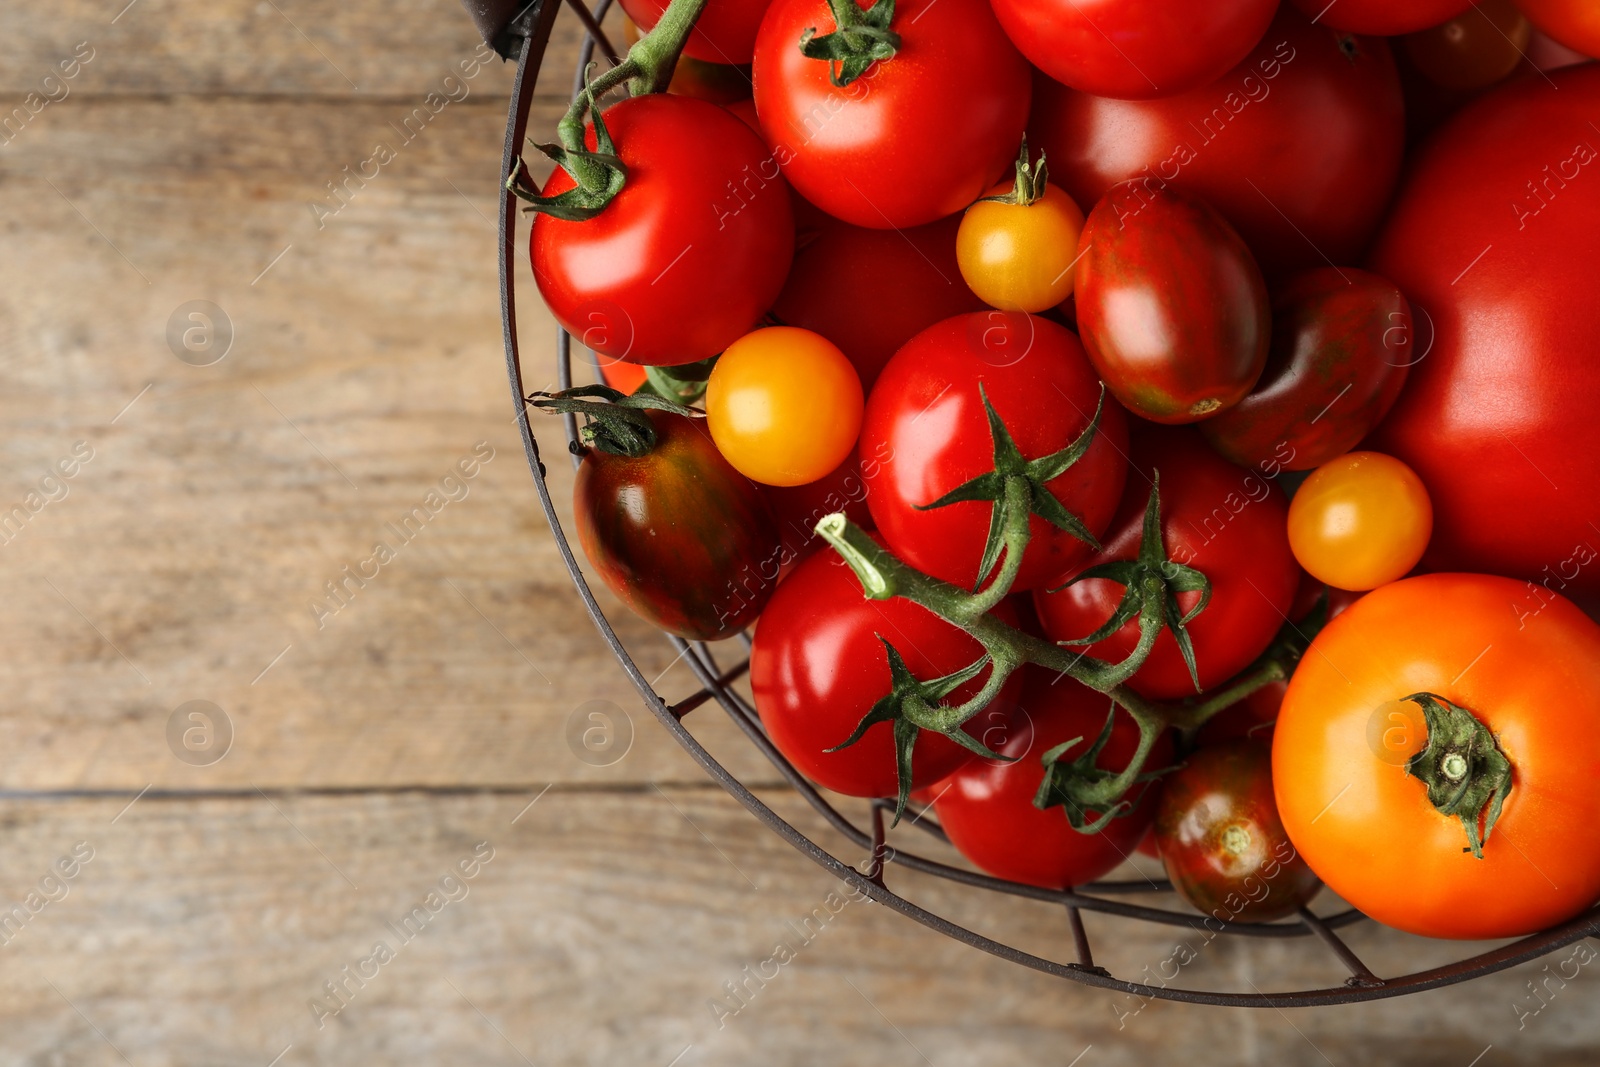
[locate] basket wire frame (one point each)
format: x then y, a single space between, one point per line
533 28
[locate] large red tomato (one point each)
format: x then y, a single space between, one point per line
1298 146
679 265
817 666
725 32
914 138
925 423
987 806
1494 239
1227 523
871 291
1134 48
1387 18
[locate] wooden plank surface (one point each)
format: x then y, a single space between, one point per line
375 745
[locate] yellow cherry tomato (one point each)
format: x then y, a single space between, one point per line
1016 253
1360 521
784 405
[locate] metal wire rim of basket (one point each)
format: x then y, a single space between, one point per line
523 34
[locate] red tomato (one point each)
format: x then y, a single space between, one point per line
623 377
1170 304
1229 524
1342 340
1254 716
926 422
987 806
912 276
1298 146
1489 239
916 137
817 667
680 264
1134 48
1386 18
725 32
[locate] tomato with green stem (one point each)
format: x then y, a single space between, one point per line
674 267
684 540
1018 245
890 115
1222 842
1436 755
1360 521
725 32
1214 520
824 657
784 405
938 488
988 806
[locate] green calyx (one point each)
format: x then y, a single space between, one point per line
1031 476
684 383
911 707
1466 774
860 39
1029 186
614 423
599 175
1081 787
1151 584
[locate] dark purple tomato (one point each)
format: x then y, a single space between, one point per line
1171 305
1222 843
1342 343
678 535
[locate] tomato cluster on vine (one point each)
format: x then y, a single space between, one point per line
1102 438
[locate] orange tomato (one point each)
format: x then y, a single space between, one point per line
784 406
1360 520
1574 23
1525 663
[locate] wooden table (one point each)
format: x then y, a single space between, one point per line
415 726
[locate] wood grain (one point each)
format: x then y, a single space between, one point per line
602 931
375 746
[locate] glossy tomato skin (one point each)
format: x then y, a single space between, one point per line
1498 419
1342 342
798 508
1253 717
1383 18
987 807
1360 521
926 423
1220 838
678 535
1344 736
916 137
1171 305
1226 523
817 666
1573 23
679 265
1134 48
725 32
1298 146
871 291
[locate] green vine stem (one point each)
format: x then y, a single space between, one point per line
600 175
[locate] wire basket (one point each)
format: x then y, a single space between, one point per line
523 34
